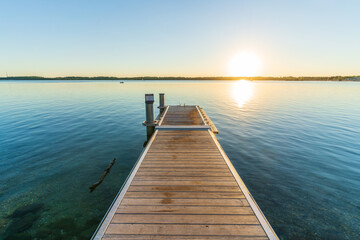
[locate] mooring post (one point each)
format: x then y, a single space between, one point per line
162 102
149 107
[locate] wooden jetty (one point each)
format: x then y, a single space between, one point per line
184 186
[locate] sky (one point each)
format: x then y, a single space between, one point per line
178 38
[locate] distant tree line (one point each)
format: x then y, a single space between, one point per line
289 78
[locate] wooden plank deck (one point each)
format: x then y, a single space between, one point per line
181 115
184 187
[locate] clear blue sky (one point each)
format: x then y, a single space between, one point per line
178 38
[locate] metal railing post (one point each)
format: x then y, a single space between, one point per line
149 108
162 102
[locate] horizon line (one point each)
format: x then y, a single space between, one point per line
179 77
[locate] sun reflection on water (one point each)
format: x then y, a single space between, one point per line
242 92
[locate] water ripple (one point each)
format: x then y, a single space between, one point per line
295 145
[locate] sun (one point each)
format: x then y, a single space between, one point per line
244 64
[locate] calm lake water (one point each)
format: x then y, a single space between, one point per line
296 145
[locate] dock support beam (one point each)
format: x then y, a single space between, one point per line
162 102
149 108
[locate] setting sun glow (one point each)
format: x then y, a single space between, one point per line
244 64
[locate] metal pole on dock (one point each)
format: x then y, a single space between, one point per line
149 107
162 102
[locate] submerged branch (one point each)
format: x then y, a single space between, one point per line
107 170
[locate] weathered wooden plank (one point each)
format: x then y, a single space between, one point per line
179 161
188 132
189 173
187 135
183 157
184 141
188 159
134 188
164 159
164 148
165 209
184 183
184 138
190 230
181 178
183 169
185 164
170 148
186 116
163 144
183 161
182 195
184 154
179 122
185 219
183 135
184 202
189 144
188 165
178 237
171 120
169 145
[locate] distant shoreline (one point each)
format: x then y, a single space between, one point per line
331 78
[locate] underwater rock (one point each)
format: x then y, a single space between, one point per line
22 211
22 224
19 236
23 219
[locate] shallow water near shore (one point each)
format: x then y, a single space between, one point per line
296 146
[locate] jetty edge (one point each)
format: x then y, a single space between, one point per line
183 186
